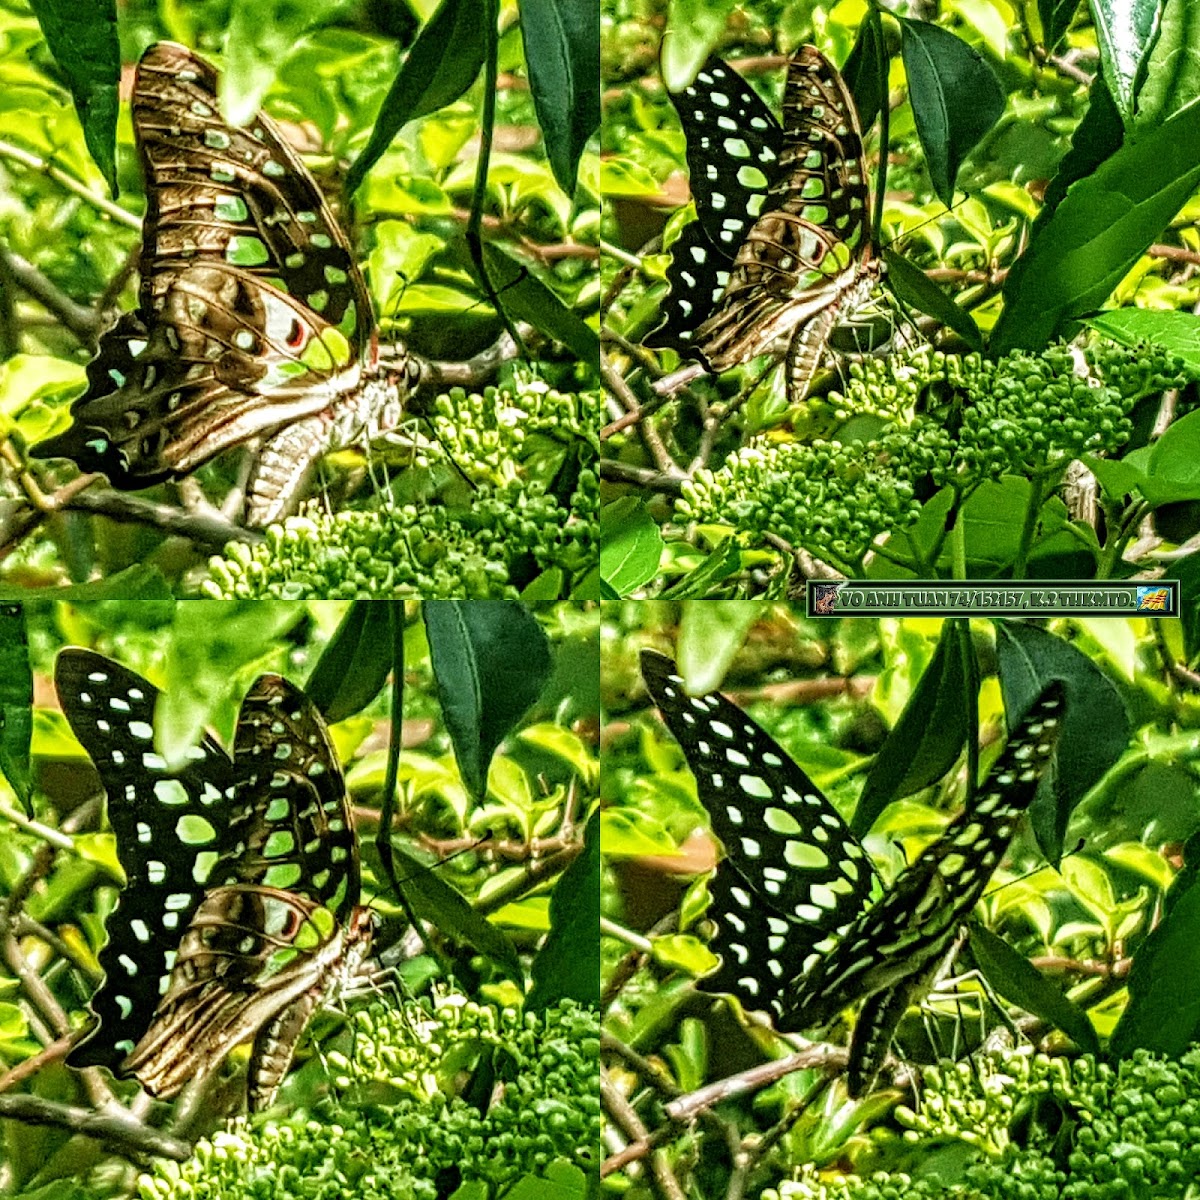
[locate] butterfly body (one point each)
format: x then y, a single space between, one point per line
241 910
784 262
252 313
802 930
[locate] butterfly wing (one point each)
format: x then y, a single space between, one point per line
253 959
734 145
913 926
111 710
252 311
812 247
795 876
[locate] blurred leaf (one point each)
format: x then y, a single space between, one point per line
562 56
955 96
83 40
444 61
1019 981
491 661
16 703
211 642
567 967
1056 17
356 662
711 632
1163 1013
139 582
260 37
630 546
693 29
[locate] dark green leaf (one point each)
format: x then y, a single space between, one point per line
491 661
16 703
435 901
83 40
527 298
355 664
1019 981
1097 136
630 546
567 967
914 287
443 62
562 56
1187 571
1056 17
955 96
929 735
1099 230
861 72
1163 1013
1095 729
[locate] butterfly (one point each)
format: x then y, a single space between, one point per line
798 933
241 914
253 319
781 247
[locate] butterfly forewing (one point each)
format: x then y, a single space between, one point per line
252 312
166 825
913 926
733 150
794 875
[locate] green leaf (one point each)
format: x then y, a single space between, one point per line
16 703
698 583
562 57
567 967
955 96
1172 75
1125 30
354 665
527 298
914 287
443 906
1178 332
928 737
1056 17
139 582
631 546
710 634
1163 1013
1019 981
1097 136
443 62
1099 230
491 661
1095 727
83 40
861 69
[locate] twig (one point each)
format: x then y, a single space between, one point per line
668 482
478 369
36 163
115 1128
78 318
205 530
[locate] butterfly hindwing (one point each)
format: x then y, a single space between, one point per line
794 874
111 710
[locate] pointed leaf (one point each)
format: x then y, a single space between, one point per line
16 703
355 664
491 661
